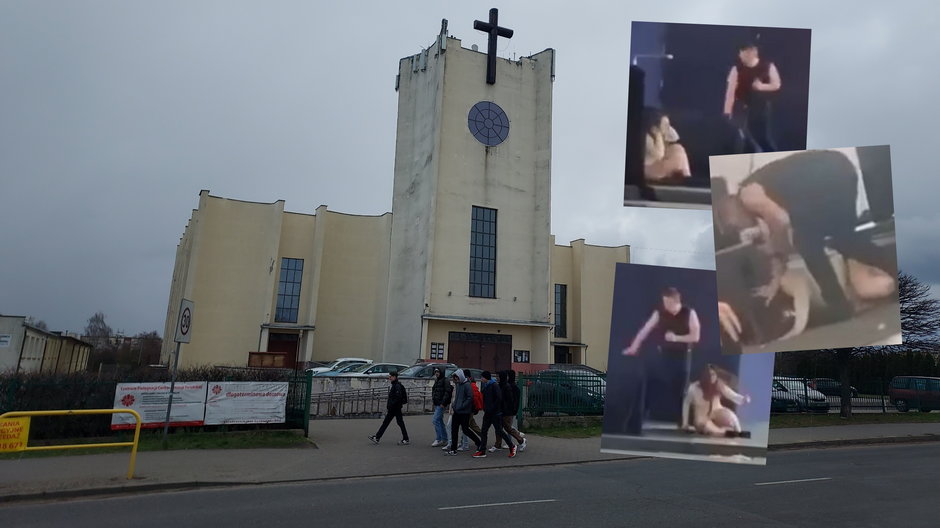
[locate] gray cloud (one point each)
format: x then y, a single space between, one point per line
115 114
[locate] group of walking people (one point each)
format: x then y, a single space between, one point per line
460 397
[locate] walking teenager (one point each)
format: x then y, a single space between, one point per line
440 398
463 408
510 407
397 398
492 415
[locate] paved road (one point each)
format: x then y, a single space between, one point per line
857 487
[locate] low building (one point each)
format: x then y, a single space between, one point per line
26 348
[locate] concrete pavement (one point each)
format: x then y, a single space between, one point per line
343 451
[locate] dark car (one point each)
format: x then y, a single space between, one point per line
829 387
426 370
920 392
781 401
565 392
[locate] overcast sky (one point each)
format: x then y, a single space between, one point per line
115 113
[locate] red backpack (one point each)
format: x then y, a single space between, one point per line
477 398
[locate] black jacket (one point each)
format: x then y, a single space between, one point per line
492 398
441 392
397 396
509 402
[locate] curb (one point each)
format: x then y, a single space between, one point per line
912 439
191 485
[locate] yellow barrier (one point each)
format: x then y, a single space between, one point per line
133 445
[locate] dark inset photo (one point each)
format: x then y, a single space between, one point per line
670 391
805 246
702 90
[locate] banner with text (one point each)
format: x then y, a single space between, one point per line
150 400
247 402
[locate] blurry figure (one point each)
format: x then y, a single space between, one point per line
665 160
703 405
752 82
807 203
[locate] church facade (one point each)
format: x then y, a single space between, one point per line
464 269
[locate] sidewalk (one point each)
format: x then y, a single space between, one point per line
343 451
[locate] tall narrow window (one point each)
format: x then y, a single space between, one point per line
288 290
561 310
483 252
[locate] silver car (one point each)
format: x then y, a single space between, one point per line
809 399
375 370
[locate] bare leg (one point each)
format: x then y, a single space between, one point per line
869 282
726 420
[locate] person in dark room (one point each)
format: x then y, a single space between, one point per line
752 84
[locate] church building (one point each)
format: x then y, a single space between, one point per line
464 269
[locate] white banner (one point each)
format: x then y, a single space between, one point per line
150 400
246 402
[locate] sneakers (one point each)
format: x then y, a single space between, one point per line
404 442
479 454
523 444
494 448
446 447
437 443
450 453
512 452
374 439
462 448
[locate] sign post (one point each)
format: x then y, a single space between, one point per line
184 322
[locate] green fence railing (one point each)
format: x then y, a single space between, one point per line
557 392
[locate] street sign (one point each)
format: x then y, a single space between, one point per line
184 321
14 432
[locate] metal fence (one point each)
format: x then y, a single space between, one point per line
556 392
823 395
366 403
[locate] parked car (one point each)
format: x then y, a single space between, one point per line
829 387
810 399
338 364
340 370
781 401
575 366
566 392
426 370
375 370
921 392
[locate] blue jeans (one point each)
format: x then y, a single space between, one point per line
438 421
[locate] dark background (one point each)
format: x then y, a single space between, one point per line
694 82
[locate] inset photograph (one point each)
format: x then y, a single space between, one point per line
671 392
702 90
805 246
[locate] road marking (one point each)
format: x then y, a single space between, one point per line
792 481
496 504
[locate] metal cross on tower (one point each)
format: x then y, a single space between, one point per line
494 31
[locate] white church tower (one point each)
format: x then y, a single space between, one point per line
469 274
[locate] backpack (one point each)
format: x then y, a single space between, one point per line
477 398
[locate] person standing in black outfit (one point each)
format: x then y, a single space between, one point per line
397 398
808 202
492 415
677 330
752 82
510 394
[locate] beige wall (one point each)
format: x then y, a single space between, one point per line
233 264
588 271
352 286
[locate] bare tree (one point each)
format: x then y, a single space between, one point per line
920 328
96 326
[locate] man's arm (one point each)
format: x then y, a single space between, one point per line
642 335
695 331
729 91
774 83
777 219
